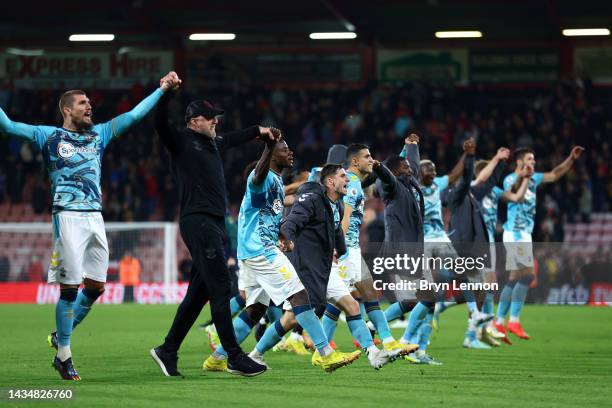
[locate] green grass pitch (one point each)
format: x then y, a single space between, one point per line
568 362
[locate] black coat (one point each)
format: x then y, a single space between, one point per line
197 163
404 213
467 229
310 225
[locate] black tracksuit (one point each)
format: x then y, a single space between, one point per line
199 173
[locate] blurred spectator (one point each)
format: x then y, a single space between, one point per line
5 268
129 275
35 270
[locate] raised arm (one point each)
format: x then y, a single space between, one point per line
166 133
410 152
459 192
519 195
559 171
458 169
239 137
386 178
17 129
503 153
480 190
263 165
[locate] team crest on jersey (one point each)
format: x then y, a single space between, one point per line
352 191
277 206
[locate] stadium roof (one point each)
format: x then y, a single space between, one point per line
276 22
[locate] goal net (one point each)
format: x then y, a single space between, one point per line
143 267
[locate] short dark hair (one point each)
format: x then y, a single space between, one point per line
353 149
522 151
394 162
329 170
67 99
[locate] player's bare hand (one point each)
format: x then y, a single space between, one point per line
286 245
412 138
503 153
269 135
576 152
170 81
469 147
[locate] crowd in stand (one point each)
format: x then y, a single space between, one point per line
138 184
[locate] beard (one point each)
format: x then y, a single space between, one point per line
83 125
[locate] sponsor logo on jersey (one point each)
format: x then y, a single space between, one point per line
66 150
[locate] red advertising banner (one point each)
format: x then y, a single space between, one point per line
601 294
42 293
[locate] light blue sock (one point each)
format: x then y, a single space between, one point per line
519 294
237 303
425 331
242 327
487 305
274 313
360 330
415 318
82 305
64 315
309 321
504 300
273 334
362 310
394 311
330 321
377 317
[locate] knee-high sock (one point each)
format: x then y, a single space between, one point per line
362 310
504 301
415 319
83 303
394 311
237 303
487 306
519 294
425 331
378 318
274 313
330 321
273 334
309 321
64 316
359 330
242 327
